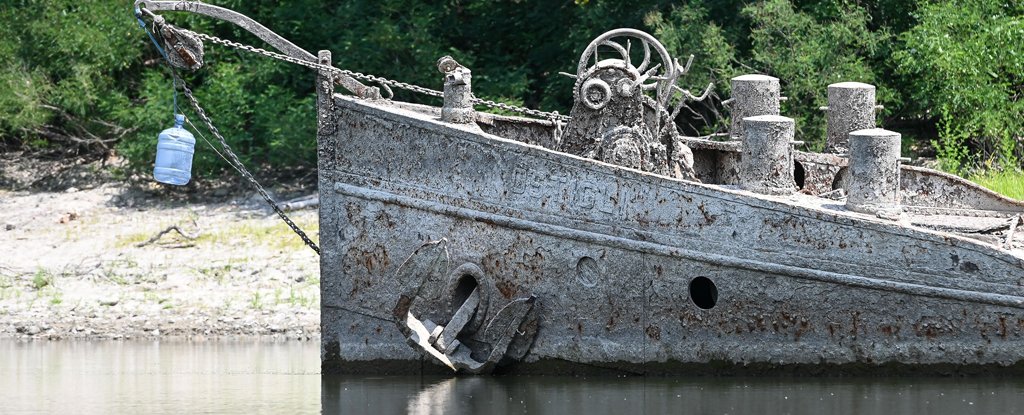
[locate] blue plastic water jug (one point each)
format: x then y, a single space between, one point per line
174 149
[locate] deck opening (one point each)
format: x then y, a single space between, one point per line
703 292
840 180
799 174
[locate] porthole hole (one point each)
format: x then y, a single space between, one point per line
703 293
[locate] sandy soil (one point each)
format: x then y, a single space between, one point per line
73 263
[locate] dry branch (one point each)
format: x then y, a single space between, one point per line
175 228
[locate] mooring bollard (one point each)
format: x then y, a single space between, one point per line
874 183
851 107
752 95
766 165
458 92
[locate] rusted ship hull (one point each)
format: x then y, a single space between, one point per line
606 239
630 270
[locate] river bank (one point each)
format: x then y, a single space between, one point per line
79 259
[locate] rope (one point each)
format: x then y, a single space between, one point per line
142 24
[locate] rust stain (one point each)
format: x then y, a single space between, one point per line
710 219
926 330
507 289
404 302
803 326
653 332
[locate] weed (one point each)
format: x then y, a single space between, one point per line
217 273
41 279
256 302
313 279
114 277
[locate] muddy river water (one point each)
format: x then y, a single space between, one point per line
86 377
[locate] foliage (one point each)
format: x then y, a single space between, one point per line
82 78
62 63
808 53
964 63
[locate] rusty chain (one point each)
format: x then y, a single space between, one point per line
553 116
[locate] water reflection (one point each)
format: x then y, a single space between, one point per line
635 395
77 377
262 377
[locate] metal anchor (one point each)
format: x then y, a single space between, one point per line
441 342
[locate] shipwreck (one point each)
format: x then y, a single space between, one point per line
459 240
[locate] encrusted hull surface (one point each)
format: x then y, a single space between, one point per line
633 271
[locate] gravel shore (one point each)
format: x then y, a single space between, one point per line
75 263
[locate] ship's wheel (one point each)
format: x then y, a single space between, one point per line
595 92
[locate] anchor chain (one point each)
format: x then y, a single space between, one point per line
553 116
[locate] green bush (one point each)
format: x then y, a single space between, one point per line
64 68
964 65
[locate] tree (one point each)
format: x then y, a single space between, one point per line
964 63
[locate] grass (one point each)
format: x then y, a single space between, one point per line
9 292
1007 182
274 234
271 233
217 272
296 299
56 298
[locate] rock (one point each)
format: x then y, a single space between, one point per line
8 226
32 330
72 190
109 302
68 217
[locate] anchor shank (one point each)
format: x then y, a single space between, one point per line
446 340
